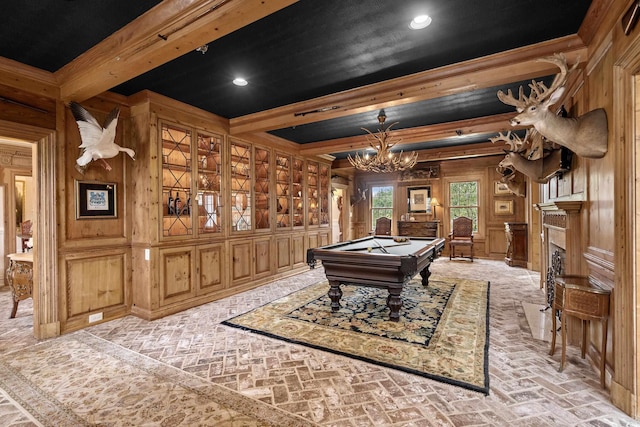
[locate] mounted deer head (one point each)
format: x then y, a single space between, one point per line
362 195
586 135
515 183
540 171
533 147
518 159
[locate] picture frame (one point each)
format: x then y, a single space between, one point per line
419 199
95 200
500 188
503 207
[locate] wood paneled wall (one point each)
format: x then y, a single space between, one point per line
490 242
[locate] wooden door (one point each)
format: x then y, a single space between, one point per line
241 261
210 273
176 274
298 253
262 260
283 249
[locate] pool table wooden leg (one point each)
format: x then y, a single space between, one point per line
394 302
425 276
335 293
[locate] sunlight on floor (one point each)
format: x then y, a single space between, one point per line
539 321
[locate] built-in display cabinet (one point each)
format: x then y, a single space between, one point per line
187 171
214 214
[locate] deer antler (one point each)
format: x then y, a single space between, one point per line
509 99
539 91
514 141
539 88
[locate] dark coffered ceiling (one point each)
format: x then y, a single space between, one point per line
302 54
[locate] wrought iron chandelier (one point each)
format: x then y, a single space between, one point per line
383 160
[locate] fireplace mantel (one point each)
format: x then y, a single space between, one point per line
561 222
569 206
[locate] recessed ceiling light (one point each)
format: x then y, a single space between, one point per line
420 22
239 81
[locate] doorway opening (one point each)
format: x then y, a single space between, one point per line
41 167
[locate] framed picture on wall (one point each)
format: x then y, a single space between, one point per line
419 199
503 207
500 188
95 200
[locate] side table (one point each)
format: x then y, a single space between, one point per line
576 296
20 278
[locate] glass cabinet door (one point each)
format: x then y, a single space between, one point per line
283 191
312 193
261 188
176 181
240 192
324 190
297 199
209 184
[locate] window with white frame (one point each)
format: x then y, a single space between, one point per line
381 203
463 201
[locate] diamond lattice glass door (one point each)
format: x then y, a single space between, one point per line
312 192
324 195
297 195
176 181
261 188
208 184
283 190
240 186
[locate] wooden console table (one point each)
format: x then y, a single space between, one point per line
576 296
419 228
20 278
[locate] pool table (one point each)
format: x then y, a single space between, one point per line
376 261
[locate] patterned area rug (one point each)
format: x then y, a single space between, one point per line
82 380
443 332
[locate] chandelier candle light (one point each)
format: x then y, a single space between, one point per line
383 160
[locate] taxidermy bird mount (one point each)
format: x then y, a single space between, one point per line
98 142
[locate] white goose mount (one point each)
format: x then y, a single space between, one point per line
98 142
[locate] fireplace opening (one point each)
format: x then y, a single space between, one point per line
556 268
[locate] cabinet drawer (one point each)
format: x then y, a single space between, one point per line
418 228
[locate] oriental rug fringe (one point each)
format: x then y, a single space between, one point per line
442 334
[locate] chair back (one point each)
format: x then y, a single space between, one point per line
25 228
383 226
462 227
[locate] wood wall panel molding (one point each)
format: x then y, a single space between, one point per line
601 266
169 30
626 357
488 71
46 303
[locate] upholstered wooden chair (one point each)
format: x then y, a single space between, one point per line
461 235
383 226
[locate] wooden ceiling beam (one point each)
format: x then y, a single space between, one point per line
493 70
169 30
480 125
